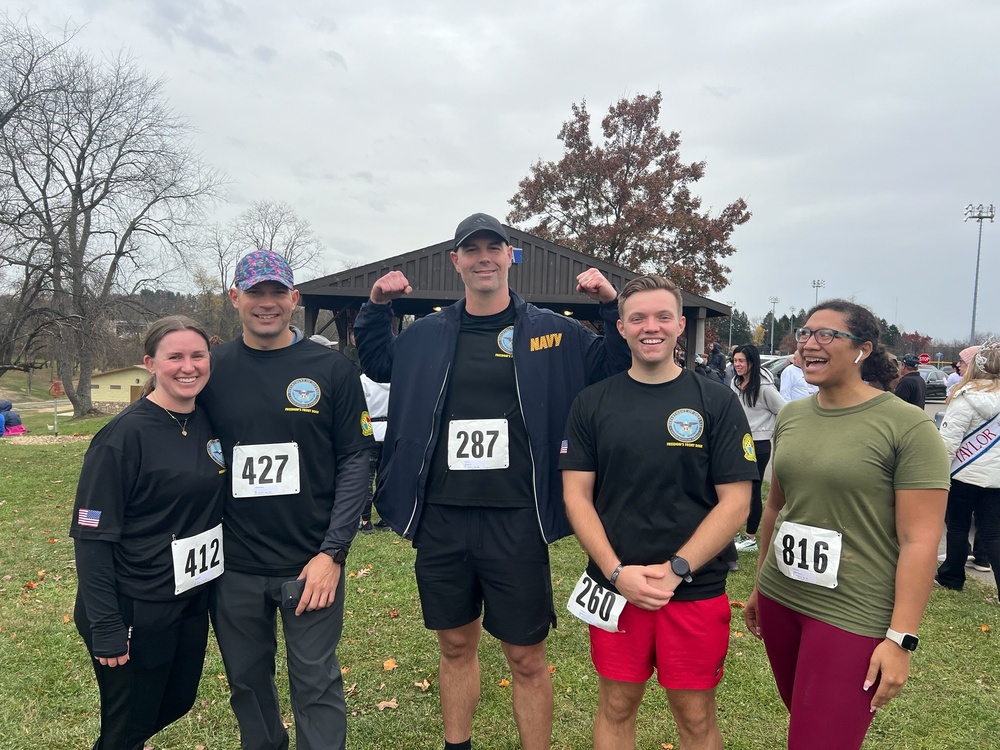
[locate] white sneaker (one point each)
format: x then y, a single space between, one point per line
747 544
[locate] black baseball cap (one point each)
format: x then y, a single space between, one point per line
910 360
479 223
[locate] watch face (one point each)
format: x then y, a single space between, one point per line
680 566
909 642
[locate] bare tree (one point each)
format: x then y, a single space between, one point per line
26 61
274 225
98 171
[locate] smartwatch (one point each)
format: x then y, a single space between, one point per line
906 641
339 555
681 569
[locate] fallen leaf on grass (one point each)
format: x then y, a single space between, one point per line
393 613
387 704
667 745
65 618
424 685
6 578
345 670
737 605
552 668
363 573
52 540
352 690
30 585
738 634
504 682
41 575
389 664
985 628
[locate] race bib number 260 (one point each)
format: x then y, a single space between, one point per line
265 470
596 605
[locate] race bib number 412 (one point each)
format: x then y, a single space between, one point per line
197 559
265 470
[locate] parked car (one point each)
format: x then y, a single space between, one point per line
775 366
935 379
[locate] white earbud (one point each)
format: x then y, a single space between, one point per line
860 355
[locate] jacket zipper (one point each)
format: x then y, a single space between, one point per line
427 446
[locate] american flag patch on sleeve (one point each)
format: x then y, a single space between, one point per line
564 448
88 517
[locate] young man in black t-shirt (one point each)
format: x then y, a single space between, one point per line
657 465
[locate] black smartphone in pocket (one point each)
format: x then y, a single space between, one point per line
291 593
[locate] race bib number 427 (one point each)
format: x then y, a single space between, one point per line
264 470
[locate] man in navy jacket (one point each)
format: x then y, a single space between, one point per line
480 396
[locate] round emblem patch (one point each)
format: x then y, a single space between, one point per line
685 425
506 340
214 448
303 392
749 450
366 424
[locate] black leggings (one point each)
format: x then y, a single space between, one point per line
763 450
159 682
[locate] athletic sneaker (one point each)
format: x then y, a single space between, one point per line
746 544
366 527
381 525
982 567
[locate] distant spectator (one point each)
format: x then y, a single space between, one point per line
717 361
793 382
911 386
953 377
10 420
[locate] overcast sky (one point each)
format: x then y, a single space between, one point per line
857 131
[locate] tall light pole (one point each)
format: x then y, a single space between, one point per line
774 302
791 321
732 306
817 285
977 213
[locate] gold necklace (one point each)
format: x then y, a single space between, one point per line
183 427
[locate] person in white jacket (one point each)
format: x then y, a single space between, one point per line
793 383
761 401
971 433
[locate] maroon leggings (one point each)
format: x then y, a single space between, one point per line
819 670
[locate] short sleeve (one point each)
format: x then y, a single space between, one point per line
577 450
352 426
921 460
733 457
106 482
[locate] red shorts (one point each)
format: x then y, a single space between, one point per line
686 642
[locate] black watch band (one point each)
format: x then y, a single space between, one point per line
681 568
339 556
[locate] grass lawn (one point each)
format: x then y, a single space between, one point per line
48 697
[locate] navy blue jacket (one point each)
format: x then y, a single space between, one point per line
554 359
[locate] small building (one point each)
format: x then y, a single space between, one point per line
113 390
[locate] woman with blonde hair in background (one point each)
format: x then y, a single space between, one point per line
971 431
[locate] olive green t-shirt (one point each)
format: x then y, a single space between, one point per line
839 470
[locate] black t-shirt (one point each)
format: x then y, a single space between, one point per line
144 484
912 389
304 394
658 451
482 385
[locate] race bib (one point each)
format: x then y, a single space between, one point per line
478 444
596 605
270 469
197 559
808 554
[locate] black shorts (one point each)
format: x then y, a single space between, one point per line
471 559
